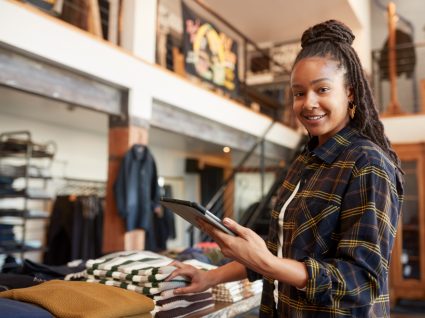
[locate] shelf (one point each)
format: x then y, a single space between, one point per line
18 249
17 151
12 146
29 214
35 154
29 177
24 196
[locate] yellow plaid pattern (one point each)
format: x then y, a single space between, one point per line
341 224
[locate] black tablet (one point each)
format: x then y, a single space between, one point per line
191 211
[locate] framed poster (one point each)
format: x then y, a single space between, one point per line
209 53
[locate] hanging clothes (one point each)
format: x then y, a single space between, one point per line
75 230
137 192
406 56
165 224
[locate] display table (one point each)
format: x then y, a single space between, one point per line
224 309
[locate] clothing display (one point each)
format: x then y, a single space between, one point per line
164 225
358 164
230 291
80 299
145 272
236 291
20 171
137 192
75 230
24 184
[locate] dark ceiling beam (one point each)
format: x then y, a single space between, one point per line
43 78
171 118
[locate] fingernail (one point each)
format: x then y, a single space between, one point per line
227 221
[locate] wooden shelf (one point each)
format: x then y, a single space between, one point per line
410 236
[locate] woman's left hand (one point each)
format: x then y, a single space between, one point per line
247 247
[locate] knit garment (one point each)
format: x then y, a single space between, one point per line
69 299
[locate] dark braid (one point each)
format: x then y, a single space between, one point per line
333 39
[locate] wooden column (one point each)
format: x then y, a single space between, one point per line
394 106
122 135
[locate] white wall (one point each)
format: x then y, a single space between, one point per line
82 152
363 33
405 129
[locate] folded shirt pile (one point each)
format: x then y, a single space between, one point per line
168 305
145 272
231 291
235 291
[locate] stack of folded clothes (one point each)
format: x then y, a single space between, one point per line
57 298
231 291
234 291
145 272
168 305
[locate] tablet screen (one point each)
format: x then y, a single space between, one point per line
191 211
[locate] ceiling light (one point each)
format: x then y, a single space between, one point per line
226 149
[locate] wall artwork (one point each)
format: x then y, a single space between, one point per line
209 53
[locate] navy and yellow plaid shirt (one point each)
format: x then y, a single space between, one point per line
342 224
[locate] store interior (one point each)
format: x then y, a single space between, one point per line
77 97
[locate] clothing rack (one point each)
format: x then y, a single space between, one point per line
76 186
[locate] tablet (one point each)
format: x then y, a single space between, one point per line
191 211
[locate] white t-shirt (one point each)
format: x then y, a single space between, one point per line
280 243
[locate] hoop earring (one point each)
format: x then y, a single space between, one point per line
351 109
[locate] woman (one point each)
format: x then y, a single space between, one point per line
333 227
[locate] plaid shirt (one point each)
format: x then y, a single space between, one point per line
341 224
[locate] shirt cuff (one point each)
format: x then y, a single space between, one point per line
319 281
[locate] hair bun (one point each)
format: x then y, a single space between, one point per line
331 30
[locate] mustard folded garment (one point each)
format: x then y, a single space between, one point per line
69 299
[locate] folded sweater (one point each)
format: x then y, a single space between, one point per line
70 299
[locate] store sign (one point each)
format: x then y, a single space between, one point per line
209 53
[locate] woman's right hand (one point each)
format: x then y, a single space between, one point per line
200 280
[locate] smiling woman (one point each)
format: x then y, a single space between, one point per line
333 226
319 90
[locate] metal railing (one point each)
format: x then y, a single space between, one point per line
248 189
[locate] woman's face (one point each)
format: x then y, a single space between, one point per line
320 96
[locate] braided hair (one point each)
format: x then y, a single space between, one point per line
333 39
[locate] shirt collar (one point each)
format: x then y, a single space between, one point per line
333 147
